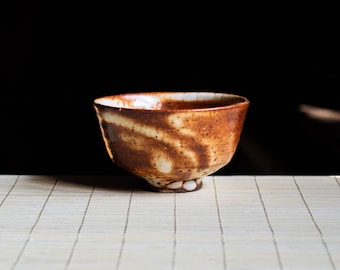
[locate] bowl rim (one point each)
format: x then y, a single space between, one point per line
243 101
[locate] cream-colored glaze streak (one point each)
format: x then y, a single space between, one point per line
179 122
162 163
176 121
150 132
106 142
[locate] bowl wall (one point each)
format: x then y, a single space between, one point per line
174 143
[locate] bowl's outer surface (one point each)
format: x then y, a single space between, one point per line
163 146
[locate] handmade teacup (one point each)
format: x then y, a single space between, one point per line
171 139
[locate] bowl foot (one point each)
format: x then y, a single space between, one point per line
176 186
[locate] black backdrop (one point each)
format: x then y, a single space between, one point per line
57 57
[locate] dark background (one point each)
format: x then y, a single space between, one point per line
57 57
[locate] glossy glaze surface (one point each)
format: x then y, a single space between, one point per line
169 138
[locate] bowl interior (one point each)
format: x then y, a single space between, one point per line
170 100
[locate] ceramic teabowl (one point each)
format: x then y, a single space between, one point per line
171 139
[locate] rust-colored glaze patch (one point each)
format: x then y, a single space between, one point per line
189 105
175 142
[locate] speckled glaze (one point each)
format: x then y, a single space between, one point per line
171 139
